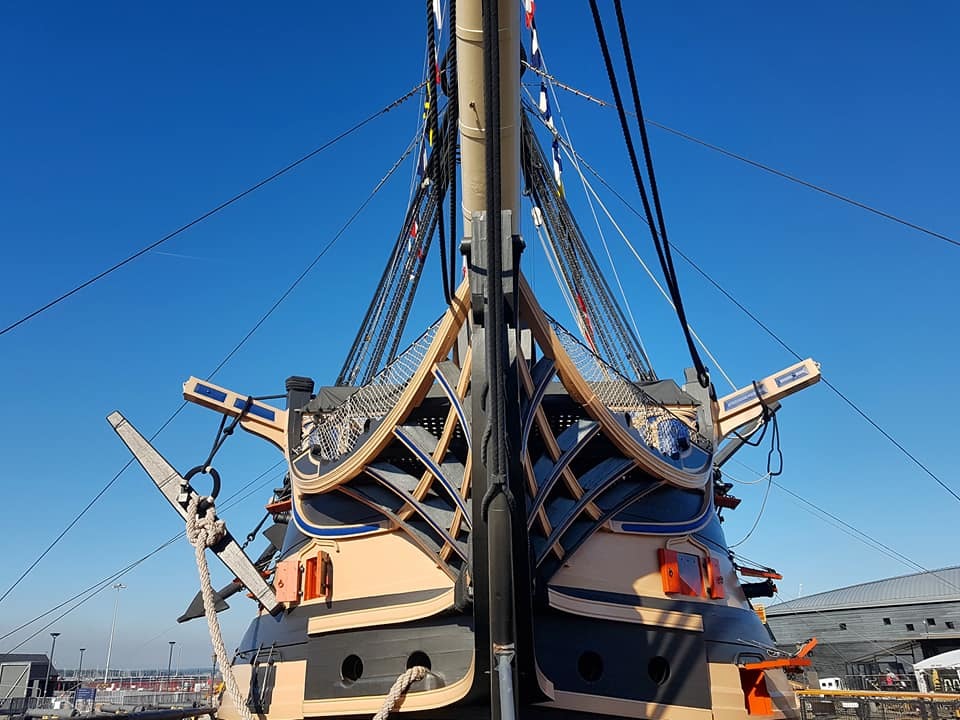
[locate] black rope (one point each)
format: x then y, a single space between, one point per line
453 111
755 163
225 204
780 341
495 331
368 328
770 416
666 262
224 431
433 93
381 331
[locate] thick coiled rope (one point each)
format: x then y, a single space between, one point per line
399 689
203 532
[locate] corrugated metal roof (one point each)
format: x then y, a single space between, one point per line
934 586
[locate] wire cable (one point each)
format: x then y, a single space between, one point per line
660 240
226 359
95 588
763 326
754 163
839 523
756 523
83 512
225 204
567 139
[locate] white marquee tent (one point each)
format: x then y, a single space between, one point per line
944 661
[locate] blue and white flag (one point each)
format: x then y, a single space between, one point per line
557 165
537 62
544 105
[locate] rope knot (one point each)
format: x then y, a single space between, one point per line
205 530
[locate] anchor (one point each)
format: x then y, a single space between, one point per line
176 489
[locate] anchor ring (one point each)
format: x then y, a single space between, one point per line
204 470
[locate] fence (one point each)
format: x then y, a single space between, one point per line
858 705
127 699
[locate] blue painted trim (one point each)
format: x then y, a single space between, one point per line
588 497
743 397
435 470
207 391
662 529
455 401
791 376
320 531
538 392
669 528
255 409
562 463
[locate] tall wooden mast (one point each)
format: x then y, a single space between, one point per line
488 62
470 74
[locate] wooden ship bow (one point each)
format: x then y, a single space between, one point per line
514 519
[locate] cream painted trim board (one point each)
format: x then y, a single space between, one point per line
625 708
369 704
625 613
386 615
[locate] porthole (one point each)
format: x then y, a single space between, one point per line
418 658
590 666
658 669
351 669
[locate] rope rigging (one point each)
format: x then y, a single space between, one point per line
750 161
378 338
205 530
780 341
660 239
600 317
591 192
210 213
236 348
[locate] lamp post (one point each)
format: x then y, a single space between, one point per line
79 677
113 626
170 659
46 679
213 675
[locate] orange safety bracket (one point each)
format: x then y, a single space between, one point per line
286 581
800 660
318 577
806 648
326 575
279 506
756 696
754 572
680 572
715 583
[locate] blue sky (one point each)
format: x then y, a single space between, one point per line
122 122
